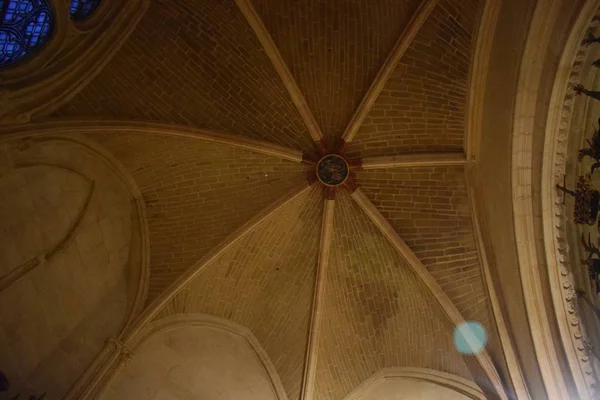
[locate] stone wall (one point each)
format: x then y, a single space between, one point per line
194 362
65 230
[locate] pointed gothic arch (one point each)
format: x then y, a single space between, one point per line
416 381
139 347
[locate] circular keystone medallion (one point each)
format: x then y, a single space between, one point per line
332 170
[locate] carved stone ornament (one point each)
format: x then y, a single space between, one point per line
585 211
332 170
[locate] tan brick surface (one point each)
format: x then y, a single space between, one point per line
422 107
265 283
335 48
196 194
429 208
198 63
377 313
195 62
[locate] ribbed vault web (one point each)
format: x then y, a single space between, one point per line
265 283
336 283
377 313
196 194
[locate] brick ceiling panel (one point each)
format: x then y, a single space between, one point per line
199 63
429 207
335 48
196 194
195 62
422 107
265 283
377 313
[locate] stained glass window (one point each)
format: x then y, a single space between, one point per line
25 26
82 9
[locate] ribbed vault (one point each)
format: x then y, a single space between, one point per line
196 193
429 207
195 62
336 283
376 312
335 71
422 106
265 283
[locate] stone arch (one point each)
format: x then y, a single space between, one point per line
74 55
11 273
542 109
410 383
78 318
164 344
563 120
25 139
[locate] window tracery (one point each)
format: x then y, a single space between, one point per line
25 26
83 9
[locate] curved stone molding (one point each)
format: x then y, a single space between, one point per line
129 347
73 130
91 217
41 259
49 52
81 214
24 140
75 55
443 379
23 149
510 354
98 17
537 51
449 308
110 360
478 77
477 91
153 310
113 354
152 128
554 212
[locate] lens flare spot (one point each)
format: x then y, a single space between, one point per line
470 337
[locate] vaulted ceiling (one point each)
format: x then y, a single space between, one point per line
336 285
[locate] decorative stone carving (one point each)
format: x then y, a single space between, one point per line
332 170
587 201
560 216
125 353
